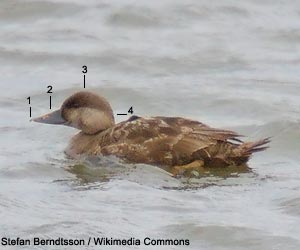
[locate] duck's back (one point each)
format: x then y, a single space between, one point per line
167 141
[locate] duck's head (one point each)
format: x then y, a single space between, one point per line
86 111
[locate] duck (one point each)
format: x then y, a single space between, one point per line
176 144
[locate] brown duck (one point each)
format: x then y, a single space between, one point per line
176 144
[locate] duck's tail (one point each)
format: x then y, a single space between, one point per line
243 152
246 149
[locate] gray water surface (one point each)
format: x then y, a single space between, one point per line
230 64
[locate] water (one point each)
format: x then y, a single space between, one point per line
229 64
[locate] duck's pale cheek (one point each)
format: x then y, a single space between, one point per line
72 115
93 121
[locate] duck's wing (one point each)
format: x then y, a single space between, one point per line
201 130
163 140
199 141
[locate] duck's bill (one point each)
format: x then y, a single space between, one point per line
51 118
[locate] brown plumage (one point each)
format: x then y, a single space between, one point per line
170 142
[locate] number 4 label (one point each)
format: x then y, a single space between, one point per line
130 110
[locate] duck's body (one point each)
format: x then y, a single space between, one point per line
171 142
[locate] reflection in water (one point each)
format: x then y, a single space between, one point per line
87 175
200 172
93 171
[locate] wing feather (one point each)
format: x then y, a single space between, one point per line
165 140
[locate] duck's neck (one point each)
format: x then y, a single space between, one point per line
88 144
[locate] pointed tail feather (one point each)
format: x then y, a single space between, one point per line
248 148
